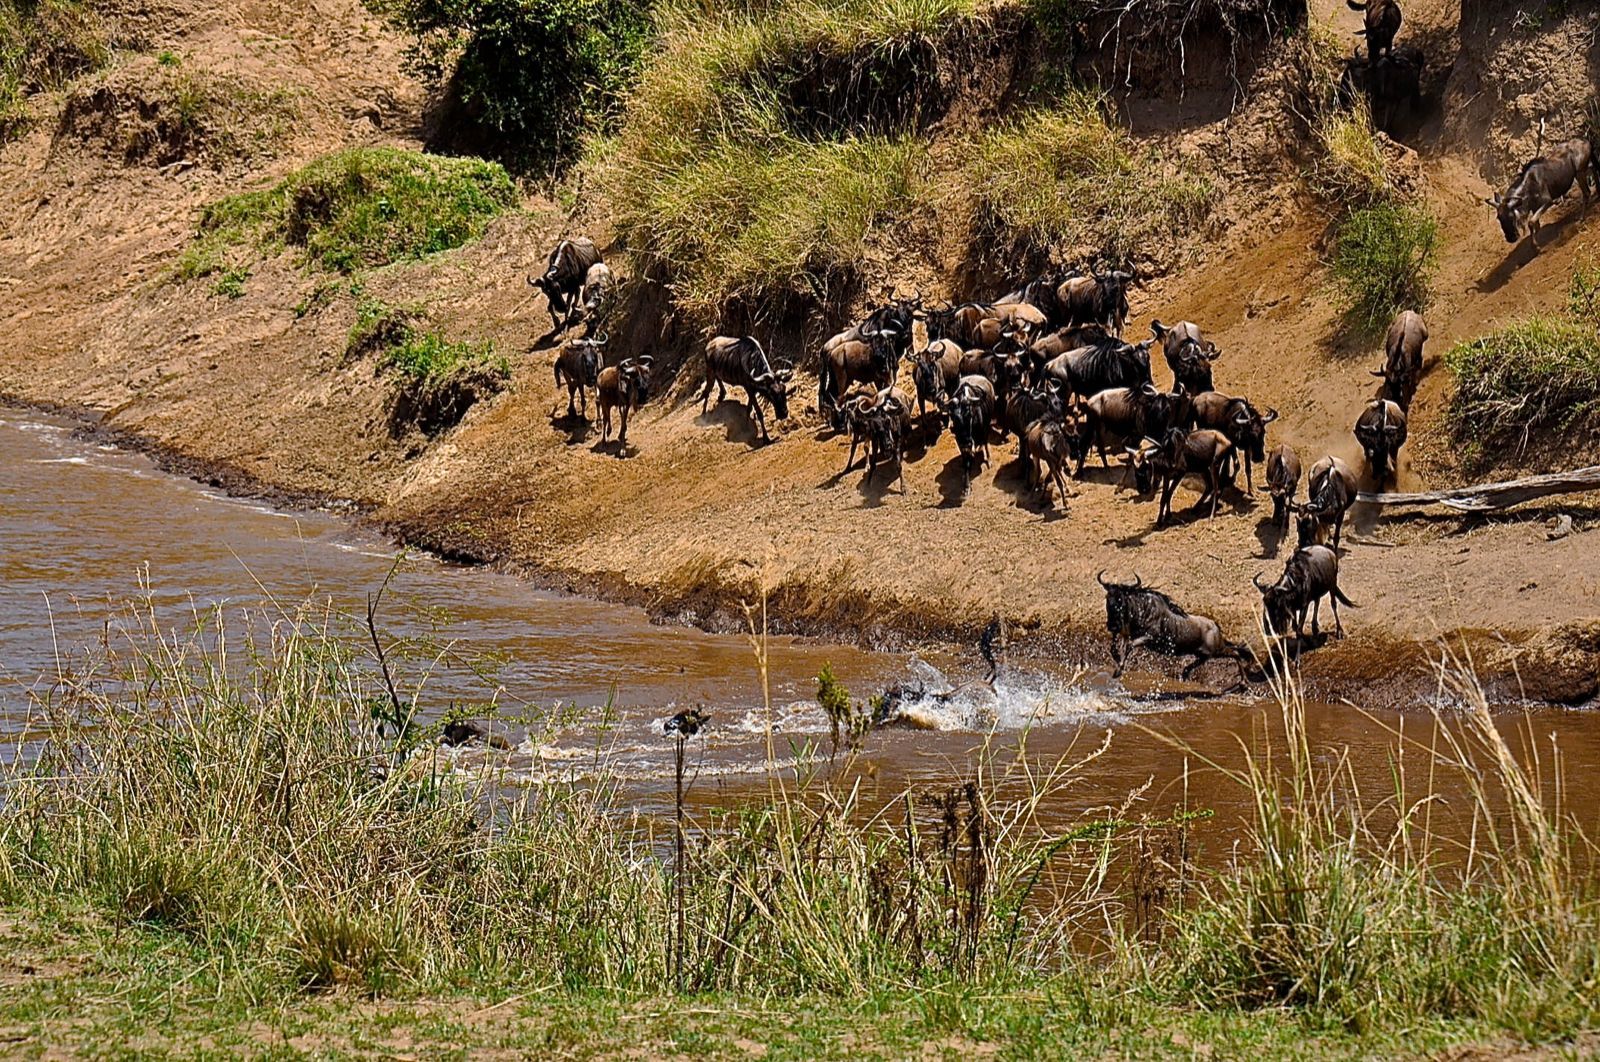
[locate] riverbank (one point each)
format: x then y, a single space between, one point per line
74 982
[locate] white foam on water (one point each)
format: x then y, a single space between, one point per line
59 461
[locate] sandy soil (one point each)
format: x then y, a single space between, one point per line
695 518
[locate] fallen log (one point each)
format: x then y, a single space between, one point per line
1488 497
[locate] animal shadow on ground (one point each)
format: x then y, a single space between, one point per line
1115 476
1271 536
1012 476
875 485
734 418
577 428
952 484
614 448
1554 234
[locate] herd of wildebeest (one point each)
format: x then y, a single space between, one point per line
1047 364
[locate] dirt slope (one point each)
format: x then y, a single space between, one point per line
696 518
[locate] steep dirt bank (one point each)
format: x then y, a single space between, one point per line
258 392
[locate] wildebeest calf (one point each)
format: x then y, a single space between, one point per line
625 388
1283 478
578 367
1311 574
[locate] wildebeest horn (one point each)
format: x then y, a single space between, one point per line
1100 577
627 363
605 337
1157 329
1378 372
1138 580
1272 415
647 359
1256 579
1242 417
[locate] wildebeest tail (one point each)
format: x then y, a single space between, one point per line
1345 601
824 385
1355 6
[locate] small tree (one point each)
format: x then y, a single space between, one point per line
537 74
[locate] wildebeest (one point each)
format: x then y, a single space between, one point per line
1047 445
1392 85
1089 370
1098 299
1330 491
971 410
896 315
1027 404
1381 431
562 280
1138 616
1402 366
872 360
1120 414
599 286
1381 24
1311 574
880 421
578 367
1189 354
1283 479
1240 422
935 373
1167 461
959 323
1544 182
742 363
625 388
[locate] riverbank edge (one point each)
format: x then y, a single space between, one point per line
1554 663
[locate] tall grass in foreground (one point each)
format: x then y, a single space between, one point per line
238 793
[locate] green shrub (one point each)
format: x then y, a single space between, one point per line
43 45
1352 167
1539 374
428 354
1383 260
360 208
378 327
1063 179
536 74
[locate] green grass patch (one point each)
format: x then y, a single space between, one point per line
769 221
1384 258
426 355
1352 168
43 45
379 327
357 209
1064 179
1532 377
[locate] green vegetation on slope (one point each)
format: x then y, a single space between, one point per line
1533 376
536 76
1384 257
253 828
1062 178
770 148
356 209
43 45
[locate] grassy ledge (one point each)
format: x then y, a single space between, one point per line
43 45
246 819
1533 377
357 209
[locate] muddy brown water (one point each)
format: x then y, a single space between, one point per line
86 527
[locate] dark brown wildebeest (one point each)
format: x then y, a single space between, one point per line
1381 431
1138 616
1241 423
1381 25
971 411
1189 354
881 421
742 363
625 388
1283 479
1118 415
872 360
1048 445
1101 299
936 372
1166 462
1402 366
1311 574
1330 491
1544 182
578 367
1087 371
562 280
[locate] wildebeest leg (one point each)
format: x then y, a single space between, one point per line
1061 483
1194 665
1119 655
605 423
1249 477
1338 529
1316 616
1214 478
850 462
1338 626
622 430
705 393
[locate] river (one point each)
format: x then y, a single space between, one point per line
87 527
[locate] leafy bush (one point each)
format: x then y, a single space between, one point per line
537 74
1384 258
359 208
43 45
1064 179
